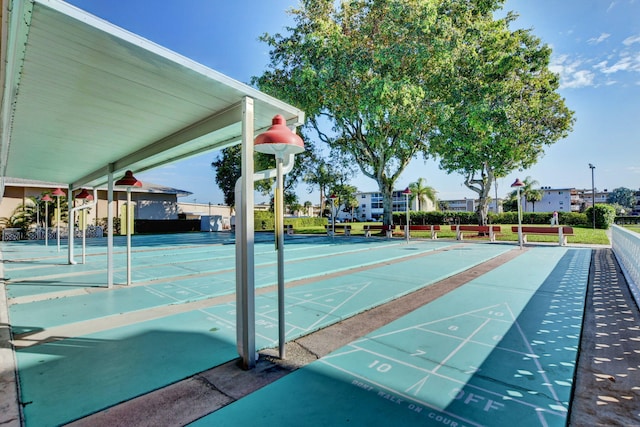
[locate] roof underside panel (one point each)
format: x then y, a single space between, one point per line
91 94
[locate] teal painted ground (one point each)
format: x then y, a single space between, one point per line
73 377
504 342
501 350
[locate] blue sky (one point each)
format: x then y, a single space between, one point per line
596 51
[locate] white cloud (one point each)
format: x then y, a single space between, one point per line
626 62
631 40
571 74
596 40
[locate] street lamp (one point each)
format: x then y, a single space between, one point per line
46 199
57 193
280 141
407 193
333 199
85 196
518 184
129 181
593 196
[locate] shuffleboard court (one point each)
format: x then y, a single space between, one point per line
128 361
500 350
215 277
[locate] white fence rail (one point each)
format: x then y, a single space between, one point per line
626 247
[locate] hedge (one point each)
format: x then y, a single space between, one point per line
454 217
265 220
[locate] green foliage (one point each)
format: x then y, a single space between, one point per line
365 72
325 175
306 222
605 215
422 192
539 218
501 109
622 196
436 217
265 221
228 171
20 218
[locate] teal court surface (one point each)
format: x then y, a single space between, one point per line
500 349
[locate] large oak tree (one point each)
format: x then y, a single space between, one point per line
501 111
365 72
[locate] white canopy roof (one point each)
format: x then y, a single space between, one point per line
81 96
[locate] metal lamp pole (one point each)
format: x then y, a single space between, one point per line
280 141
128 181
57 193
46 199
407 193
518 184
593 196
333 215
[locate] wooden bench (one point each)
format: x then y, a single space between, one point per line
388 229
346 228
561 232
432 228
461 229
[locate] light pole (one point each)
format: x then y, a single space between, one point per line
333 199
593 196
85 196
407 193
518 184
280 141
129 181
58 193
46 199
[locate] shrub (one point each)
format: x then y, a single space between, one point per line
605 215
436 217
265 221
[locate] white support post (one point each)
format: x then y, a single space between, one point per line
245 292
110 228
71 225
129 221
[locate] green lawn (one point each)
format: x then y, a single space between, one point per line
635 228
582 234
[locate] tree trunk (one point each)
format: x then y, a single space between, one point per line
387 202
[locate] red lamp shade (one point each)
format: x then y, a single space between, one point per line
46 198
84 194
128 180
58 192
406 191
517 183
333 197
278 139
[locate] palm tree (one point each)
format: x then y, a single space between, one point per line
529 193
422 192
